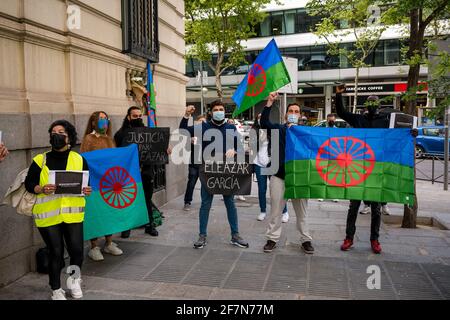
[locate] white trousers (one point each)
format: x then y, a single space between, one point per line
277 203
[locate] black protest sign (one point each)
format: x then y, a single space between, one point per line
227 177
152 144
68 182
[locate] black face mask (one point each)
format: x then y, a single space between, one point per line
331 123
137 123
58 141
372 110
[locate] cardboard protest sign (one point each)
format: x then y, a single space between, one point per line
152 144
227 177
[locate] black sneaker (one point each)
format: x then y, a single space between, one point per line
125 234
200 243
270 245
151 231
236 240
307 247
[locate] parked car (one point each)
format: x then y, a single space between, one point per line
339 123
430 141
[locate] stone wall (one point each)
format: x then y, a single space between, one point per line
48 72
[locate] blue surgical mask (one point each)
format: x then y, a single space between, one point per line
292 118
219 115
102 125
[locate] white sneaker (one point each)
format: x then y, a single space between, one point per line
96 254
59 294
366 210
75 288
261 216
320 200
335 200
385 210
285 217
113 249
241 198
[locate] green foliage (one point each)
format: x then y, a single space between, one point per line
219 26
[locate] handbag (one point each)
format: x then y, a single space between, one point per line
17 195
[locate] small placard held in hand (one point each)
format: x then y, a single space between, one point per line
69 182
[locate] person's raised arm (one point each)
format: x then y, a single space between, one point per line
352 119
265 115
185 120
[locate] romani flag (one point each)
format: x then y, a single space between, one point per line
117 202
151 99
268 73
355 164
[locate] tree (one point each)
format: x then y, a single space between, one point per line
359 19
421 14
219 26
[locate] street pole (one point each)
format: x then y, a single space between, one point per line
446 151
283 108
201 88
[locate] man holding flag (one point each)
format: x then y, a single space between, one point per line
277 199
373 119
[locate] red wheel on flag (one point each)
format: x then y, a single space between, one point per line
118 188
256 80
345 161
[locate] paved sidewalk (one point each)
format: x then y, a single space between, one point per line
415 263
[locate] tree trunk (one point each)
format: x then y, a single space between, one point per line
415 47
355 101
219 87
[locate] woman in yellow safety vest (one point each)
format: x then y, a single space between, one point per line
59 217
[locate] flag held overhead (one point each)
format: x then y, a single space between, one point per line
268 73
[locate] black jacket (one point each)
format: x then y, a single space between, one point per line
379 120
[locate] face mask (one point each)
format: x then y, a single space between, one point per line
372 109
137 123
292 118
102 125
331 123
219 115
58 141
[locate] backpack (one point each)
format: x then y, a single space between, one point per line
157 219
18 197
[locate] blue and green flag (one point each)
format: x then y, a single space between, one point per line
356 164
117 202
268 73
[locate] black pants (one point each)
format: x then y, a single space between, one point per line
147 184
192 180
353 214
54 237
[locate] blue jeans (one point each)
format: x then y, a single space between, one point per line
262 188
206 206
192 180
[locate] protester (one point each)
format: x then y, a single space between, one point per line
98 136
194 168
3 152
133 119
372 119
262 160
59 218
219 124
277 200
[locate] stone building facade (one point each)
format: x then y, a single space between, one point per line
64 59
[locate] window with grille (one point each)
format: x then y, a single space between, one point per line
140 28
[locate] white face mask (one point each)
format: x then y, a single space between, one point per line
292 118
219 115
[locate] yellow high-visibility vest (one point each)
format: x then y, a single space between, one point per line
53 209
